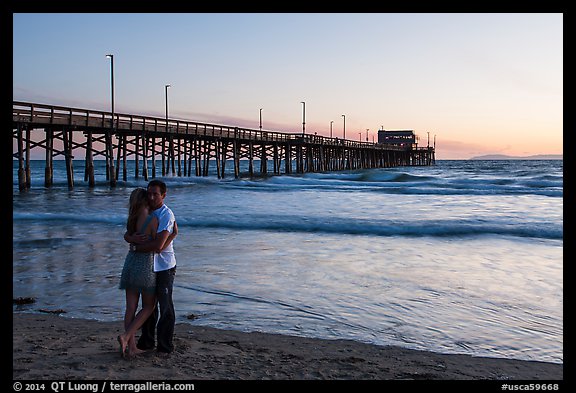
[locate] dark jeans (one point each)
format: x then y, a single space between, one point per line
164 286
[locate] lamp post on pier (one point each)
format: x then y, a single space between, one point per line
164 166
110 172
303 118
344 136
331 121
260 119
166 90
111 57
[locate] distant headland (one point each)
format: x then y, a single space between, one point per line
505 157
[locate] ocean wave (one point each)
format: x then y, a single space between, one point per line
405 188
409 229
255 299
44 243
395 182
302 310
330 225
70 217
465 179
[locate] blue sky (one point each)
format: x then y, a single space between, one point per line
481 83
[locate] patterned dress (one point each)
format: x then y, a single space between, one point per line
138 271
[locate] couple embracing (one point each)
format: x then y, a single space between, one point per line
148 272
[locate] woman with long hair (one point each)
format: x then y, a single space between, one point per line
138 278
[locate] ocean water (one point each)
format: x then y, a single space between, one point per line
459 257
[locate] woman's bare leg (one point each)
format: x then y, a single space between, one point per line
132 298
148 304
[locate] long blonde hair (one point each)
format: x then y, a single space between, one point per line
137 201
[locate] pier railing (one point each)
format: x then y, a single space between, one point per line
41 114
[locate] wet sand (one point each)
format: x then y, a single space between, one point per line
52 347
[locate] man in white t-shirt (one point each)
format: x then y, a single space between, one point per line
165 268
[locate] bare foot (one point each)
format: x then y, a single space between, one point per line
132 352
123 345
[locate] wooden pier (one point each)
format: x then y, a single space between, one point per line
185 147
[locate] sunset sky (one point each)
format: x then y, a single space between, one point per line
481 83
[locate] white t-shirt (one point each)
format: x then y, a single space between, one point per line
166 259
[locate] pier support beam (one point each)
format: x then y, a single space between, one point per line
27 163
236 157
67 140
48 172
145 157
21 172
110 159
89 160
251 158
288 159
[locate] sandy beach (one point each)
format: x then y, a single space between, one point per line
52 347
